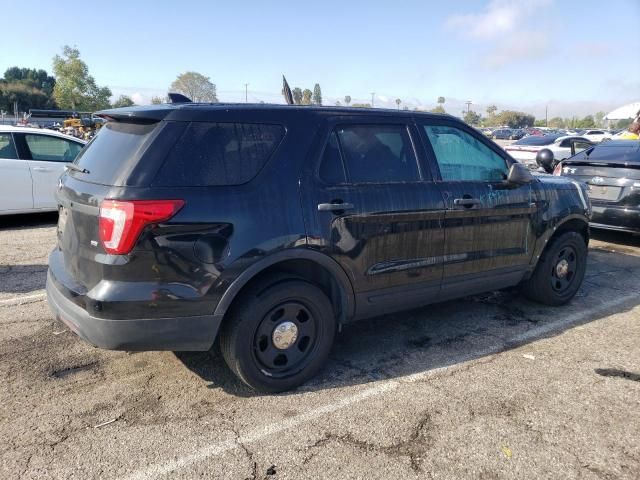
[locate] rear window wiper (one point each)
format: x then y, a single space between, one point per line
75 168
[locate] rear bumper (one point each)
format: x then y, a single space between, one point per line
177 333
625 219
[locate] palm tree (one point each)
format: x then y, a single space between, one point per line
347 100
398 102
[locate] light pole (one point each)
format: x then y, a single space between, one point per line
246 87
468 103
372 95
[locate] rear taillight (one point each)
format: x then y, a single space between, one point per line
121 222
558 170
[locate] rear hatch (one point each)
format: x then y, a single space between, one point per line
117 163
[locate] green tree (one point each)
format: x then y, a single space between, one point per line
306 96
39 79
361 105
438 109
586 122
24 95
540 123
123 101
599 119
472 118
491 110
297 95
155 100
317 94
515 119
557 122
347 100
398 102
622 123
75 88
195 86
441 102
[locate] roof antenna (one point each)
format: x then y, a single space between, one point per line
286 91
179 98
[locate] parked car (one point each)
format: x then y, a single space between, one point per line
534 131
612 172
596 135
526 149
502 134
517 134
31 161
271 226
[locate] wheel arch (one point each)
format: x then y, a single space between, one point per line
313 266
570 223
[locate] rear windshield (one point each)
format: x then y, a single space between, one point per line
612 151
537 140
113 152
209 154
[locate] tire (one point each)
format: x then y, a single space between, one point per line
559 272
273 361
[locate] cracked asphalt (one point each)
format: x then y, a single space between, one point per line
491 386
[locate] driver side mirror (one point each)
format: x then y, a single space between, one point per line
519 174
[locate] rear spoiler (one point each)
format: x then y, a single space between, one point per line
143 114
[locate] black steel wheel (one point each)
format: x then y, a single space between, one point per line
278 334
560 270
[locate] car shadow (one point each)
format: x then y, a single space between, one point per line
446 334
615 238
31 220
22 278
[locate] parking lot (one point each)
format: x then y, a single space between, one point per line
491 386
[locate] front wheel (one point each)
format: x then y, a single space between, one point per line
279 334
559 272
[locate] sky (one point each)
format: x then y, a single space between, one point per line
573 56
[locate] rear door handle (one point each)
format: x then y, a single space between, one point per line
466 202
334 207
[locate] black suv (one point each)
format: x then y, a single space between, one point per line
268 227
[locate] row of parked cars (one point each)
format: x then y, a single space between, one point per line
268 227
504 133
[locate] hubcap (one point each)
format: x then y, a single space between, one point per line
285 335
562 268
285 339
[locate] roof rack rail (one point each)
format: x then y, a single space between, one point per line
179 98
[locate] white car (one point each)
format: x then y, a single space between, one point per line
596 135
526 149
31 162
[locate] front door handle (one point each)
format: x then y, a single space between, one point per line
41 169
334 207
466 202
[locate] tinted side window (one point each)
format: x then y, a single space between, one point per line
52 149
378 153
210 154
331 168
460 156
7 149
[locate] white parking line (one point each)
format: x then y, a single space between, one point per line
23 299
154 471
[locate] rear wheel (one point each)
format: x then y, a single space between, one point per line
559 272
279 334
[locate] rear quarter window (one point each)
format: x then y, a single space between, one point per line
212 154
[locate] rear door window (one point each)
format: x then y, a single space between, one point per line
52 149
378 153
210 154
7 148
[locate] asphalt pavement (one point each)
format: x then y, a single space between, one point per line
490 386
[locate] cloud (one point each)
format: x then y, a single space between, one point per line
519 47
498 18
